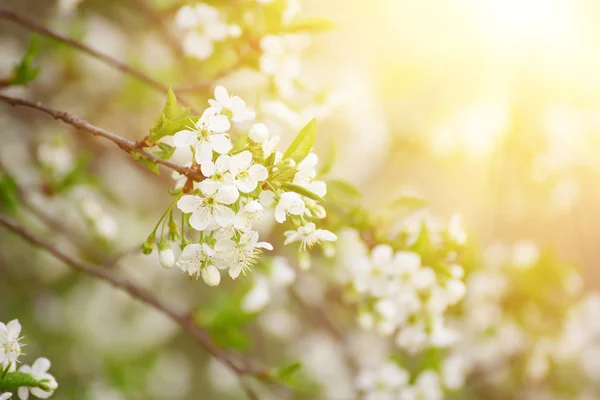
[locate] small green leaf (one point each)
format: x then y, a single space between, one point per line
173 119
283 174
303 142
165 151
9 199
24 72
329 159
137 156
301 190
172 110
407 204
240 144
342 189
309 25
288 370
15 380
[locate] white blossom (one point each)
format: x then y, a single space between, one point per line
203 26
39 371
239 255
289 203
211 275
308 235
246 174
258 133
5 396
166 258
207 136
10 345
234 105
194 258
210 211
250 213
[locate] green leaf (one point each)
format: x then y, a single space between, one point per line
288 370
15 380
290 187
329 159
24 72
172 110
9 199
165 151
173 119
137 156
343 190
309 25
303 142
240 144
407 204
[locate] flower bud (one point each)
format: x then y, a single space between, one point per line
148 245
259 133
211 275
288 162
173 234
166 258
319 211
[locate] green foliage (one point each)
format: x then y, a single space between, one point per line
405 205
173 118
329 159
225 320
309 25
303 142
77 176
9 200
15 380
137 156
25 72
342 192
165 151
290 187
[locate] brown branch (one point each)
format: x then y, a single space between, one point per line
35 26
126 145
185 321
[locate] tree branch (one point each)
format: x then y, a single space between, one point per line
126 145
31 24
185 321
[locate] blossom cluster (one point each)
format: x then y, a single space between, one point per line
390 381
243 182
203 27
10 351
397 294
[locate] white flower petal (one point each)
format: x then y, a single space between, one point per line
220 143
189 203
227 194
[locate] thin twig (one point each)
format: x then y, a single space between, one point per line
35 26
185 321
128 146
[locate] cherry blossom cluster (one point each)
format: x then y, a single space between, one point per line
244 181
203 27
397 294
390 381
10 351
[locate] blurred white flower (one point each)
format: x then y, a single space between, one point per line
233 105
39 371
10 342
308 235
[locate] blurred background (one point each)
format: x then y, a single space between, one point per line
487 108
